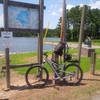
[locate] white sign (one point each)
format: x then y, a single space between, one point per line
23 18
6 35
7 39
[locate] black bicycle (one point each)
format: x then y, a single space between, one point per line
38 75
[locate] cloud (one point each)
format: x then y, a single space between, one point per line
60 10
1 20
53 10
70 6
95 5
52 6
54 13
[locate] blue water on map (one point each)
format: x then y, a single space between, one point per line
22 17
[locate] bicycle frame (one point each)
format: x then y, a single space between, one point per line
53 66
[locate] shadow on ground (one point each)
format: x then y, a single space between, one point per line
38 86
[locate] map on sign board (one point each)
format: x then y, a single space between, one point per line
23 18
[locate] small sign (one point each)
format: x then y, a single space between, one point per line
7 39
6 35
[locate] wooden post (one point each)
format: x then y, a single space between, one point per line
40 36
5 7
7 68
93 62
63 22
81 34
63 26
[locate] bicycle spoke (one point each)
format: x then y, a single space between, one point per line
36 76
72 75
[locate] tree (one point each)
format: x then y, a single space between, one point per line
92 23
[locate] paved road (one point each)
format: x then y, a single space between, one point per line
72 45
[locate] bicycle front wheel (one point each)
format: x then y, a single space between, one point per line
73 74
36 76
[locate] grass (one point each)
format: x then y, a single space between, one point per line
96 42
20 59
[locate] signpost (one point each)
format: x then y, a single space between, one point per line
22 17
7 36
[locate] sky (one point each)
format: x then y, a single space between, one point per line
54 9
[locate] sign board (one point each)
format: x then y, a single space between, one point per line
23 18
6 35
7 39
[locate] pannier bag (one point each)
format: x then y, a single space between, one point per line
58 50
68 57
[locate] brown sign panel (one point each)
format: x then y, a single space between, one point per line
20 16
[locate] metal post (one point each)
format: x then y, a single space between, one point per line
81 34
40 36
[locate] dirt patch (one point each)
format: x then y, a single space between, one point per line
87 90
31 59
1 57
98 56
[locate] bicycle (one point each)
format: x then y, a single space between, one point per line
38 75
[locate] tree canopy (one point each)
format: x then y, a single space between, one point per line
91 24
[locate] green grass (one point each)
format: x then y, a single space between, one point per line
97 51
96 42
20 59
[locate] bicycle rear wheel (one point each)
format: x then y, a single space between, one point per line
36 76
73 74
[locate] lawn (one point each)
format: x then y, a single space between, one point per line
96 42
22 59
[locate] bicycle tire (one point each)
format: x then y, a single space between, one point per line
78 72
31 75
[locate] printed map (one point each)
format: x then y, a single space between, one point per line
24 18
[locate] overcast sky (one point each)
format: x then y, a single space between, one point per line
53 9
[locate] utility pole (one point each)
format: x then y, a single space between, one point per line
63 26
81 33
63 22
